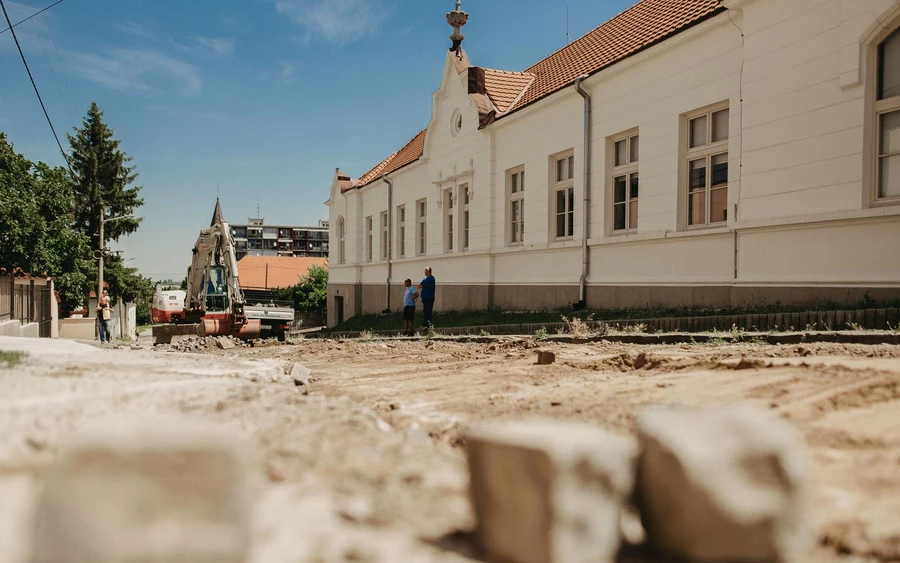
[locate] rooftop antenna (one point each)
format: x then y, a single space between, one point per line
568 40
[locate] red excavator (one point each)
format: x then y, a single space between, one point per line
214 303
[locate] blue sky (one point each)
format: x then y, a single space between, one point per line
263 98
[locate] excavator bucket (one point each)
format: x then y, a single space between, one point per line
213 327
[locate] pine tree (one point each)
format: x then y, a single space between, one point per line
102 179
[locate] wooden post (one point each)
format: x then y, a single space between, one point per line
12 295
32 303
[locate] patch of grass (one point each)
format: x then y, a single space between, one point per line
451 319
11 359
540 333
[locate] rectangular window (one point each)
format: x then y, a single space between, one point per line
449 216
464 225
516 220
401 231
369 238
707 167
563 200
889 155
384 235
887 119
421 227
625 182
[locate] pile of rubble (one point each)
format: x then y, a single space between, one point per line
203 343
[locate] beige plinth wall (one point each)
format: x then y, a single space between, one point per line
803 224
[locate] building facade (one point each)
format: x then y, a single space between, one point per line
258 239
687 152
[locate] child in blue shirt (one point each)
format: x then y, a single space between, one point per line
409 307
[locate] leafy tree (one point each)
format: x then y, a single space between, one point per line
102 180
311 294
36 216
126 284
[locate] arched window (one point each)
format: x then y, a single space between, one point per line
887 110
342 257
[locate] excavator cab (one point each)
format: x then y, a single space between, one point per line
217 300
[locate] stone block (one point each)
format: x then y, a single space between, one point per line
548 492
545 357
159 492
723 484
300 375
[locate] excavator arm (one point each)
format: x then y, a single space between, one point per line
213 285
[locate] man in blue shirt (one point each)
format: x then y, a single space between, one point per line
426 289
409 307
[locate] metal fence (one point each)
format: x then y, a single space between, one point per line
26 300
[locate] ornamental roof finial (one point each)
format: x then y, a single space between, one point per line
457 19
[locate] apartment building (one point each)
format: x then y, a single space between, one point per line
258 239
687 152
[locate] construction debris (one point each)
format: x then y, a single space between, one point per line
201 343
162 492
549 492
722 484
545 357
300 375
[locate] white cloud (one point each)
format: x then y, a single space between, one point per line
136 29
137 70
27 33
337 21
287 72
222 46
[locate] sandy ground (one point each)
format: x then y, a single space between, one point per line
369 466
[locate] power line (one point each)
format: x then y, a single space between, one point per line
53 74
34 85
29 17
61 65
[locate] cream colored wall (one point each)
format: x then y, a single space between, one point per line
796 85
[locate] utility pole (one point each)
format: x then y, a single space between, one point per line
101 250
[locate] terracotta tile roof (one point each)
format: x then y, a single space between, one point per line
407 155
504 87
644 24
283 271
639 27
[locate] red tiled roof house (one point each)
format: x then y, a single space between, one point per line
720 152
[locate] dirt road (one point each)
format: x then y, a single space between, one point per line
368 466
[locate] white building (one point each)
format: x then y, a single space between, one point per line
737 151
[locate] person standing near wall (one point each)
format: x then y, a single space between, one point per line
409 307
427 290
104 314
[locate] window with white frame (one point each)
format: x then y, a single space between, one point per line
449 216
342 233
369 238
384 235
515 182
563 199
625 181
401 231
421 227
707 167
887 116
464 196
